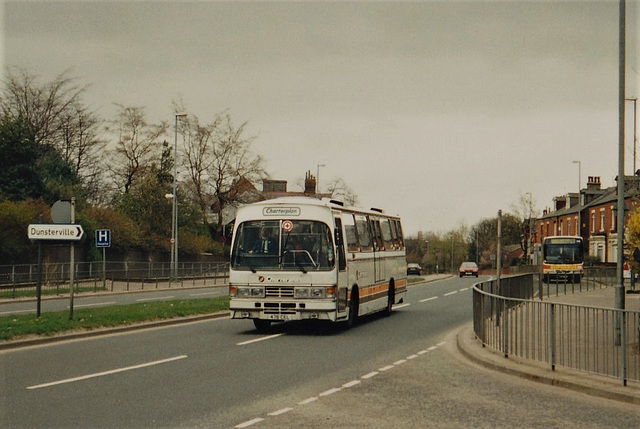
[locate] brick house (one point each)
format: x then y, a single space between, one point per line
591 215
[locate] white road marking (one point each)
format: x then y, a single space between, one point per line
205 293
398 306
268 337
451 293
97 304
282 411
249 423
110 372
335 389
158 298
330 391
463 289
16 312
351 384
429 299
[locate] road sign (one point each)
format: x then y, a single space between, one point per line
55 232
103 238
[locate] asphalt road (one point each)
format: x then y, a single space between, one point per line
400 371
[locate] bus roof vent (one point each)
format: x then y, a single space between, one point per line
375 209
336 202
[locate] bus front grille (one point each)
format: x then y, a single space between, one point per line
279 308
279 291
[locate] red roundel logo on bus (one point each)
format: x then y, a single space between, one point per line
287 225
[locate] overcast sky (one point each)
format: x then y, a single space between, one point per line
443 112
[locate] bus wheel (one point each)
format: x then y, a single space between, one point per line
262 325
390 300
354 304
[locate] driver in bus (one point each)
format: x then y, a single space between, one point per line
265 243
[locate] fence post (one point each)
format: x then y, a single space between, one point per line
623 346
552 336
505 328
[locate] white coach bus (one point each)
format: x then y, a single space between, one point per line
299 258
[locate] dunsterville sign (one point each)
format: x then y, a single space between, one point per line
55 231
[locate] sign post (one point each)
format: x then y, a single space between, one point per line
103 239
65 233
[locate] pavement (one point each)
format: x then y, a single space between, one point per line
468 346
591 384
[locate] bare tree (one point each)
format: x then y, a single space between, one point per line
341 191
42 106
135 147
217 156
80 144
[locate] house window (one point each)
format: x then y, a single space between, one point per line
602 220
593 221
569 226
613 220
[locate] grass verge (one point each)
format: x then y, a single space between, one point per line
48 324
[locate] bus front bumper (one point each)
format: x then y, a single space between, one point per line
283 310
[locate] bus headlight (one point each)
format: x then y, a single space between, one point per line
246 291
302 292
315 292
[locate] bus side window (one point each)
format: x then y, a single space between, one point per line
351 232
364 235
387 238
398 227
375 231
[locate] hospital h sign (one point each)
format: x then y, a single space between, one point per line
103 238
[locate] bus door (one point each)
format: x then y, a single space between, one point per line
342 280
378 246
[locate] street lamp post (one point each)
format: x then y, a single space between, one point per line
635 138
174 217
318 178
579 174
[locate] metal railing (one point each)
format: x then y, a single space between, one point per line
512 317
113 276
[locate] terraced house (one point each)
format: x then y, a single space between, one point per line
590 214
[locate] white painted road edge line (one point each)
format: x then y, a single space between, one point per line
100 374
159 298
351 384
282 411
371 374
97 304
336 389
249 423
330 391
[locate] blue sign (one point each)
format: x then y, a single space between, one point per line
103 238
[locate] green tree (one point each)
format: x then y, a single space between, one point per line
20 177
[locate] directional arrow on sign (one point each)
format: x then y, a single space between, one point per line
55 231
